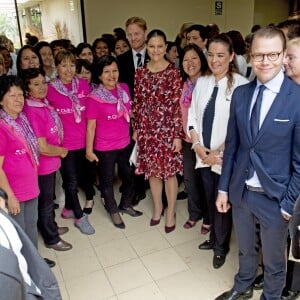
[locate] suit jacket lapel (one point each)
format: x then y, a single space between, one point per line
276 107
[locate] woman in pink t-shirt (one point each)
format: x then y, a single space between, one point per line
19 157
48 129
67 94
108 140
192 65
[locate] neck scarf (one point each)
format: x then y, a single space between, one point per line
25 134
34 102
187 92
104 95
72 95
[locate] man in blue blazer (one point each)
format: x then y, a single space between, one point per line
261 166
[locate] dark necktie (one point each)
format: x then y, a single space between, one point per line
208 118
255 114
254 121
139 61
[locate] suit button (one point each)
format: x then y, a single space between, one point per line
246 171
252 150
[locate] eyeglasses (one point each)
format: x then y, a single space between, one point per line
259 57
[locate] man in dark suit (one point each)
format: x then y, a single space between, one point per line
136 30
261 166
128 62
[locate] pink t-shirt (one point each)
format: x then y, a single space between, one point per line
44 126
74 133
112 131
18 167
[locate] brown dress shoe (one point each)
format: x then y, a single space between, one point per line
62 230
60 246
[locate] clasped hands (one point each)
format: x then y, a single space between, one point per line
209 157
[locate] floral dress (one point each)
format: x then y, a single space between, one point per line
158 121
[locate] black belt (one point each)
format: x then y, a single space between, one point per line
257 189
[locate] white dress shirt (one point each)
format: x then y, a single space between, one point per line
135 58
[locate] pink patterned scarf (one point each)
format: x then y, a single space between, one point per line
187 92
103 95
72 95
24 132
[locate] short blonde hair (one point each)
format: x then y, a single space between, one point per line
138 21
294 42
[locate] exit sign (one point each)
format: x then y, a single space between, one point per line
218 8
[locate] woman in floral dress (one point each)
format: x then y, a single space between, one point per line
158 126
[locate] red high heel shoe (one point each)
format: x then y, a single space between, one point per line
154 222
169 229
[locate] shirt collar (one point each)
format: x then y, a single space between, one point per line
274 84
143 52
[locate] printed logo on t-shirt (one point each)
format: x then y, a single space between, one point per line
112 117
20 151
65 111
53 130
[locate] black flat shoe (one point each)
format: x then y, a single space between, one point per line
130 211
50 262
117 220
235 295
207 245
218 261
258 283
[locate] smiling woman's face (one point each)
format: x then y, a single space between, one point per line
13 101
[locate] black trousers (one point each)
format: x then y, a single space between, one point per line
221 223
46 215
197 204
73 167
106 169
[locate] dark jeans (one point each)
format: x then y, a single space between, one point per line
108 159
74 167
197 205
46 216
221 223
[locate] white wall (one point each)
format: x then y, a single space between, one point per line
102 17
63 11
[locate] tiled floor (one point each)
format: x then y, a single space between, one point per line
140 262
